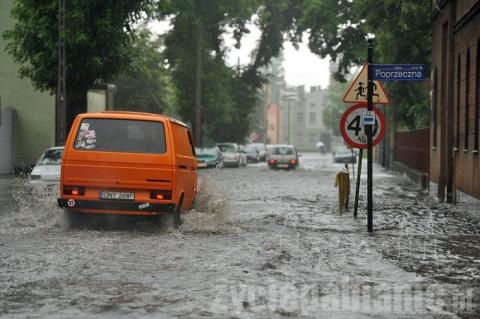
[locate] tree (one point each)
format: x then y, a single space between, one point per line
97 39
334 106
402 29
147 85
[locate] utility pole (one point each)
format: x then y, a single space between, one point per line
198 88
61 94
369 131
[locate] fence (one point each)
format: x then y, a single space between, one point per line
412 149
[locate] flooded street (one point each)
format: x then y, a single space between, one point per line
260 243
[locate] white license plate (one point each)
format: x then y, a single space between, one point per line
282 165
117 195
202 164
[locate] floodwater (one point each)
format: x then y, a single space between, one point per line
259 244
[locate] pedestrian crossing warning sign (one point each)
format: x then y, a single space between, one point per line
357 92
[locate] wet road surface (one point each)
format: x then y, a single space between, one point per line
259 244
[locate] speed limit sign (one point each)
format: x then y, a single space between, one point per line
352 125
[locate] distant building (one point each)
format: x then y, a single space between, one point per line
303 117
455 117
273 124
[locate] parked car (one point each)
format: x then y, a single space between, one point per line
268 149
232 154
345 155
283 156
48 165
262 150
209 157
127 163
45 176
252 153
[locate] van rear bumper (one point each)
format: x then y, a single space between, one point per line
115 205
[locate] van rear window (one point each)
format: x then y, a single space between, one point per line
119 135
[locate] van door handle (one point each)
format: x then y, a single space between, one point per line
183 166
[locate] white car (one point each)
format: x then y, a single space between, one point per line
283 156
45 176
232 154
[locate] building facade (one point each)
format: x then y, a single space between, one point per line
455 117
303 118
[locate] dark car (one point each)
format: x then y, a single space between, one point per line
209 157
252 153
346 156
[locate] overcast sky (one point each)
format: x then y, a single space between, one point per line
301 66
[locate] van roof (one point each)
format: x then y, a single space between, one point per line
130 115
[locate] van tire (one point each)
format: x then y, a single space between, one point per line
177 215
71 219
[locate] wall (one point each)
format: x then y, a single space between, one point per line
7 126
454 156
35 111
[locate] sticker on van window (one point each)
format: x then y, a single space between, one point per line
80 144
86 138
90 134
89 146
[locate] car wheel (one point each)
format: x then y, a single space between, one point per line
177 215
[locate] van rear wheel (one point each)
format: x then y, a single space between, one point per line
177 215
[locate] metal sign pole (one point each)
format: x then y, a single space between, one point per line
369 131
357 186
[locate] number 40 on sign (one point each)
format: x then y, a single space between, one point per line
352 125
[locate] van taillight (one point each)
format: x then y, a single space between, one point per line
74 190
272 161
164 194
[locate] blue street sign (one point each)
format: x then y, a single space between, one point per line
398 72
368 118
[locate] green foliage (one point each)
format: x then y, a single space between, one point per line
97 46
97 43
228 94
402 30
147 85
334 106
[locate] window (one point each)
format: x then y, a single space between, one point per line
467 92
312 105
313 138
118 135
300 117
477 98
457 118
434 107
313 118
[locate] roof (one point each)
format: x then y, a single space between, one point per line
131 115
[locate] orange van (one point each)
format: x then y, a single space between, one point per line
127 163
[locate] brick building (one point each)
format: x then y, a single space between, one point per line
454 134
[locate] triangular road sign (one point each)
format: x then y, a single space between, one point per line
357 92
